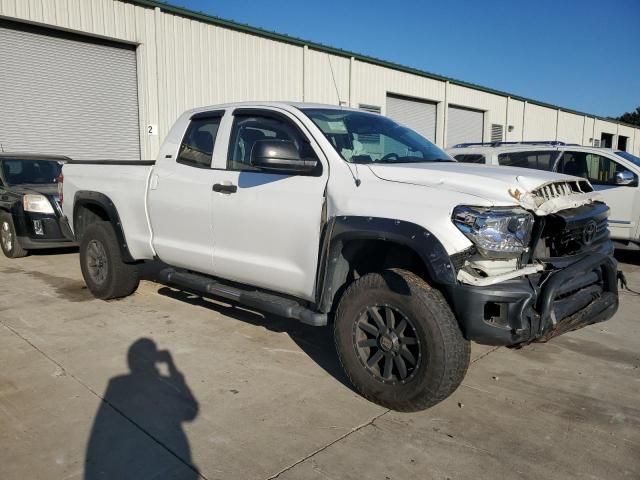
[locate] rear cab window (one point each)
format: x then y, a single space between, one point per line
196 149
539 160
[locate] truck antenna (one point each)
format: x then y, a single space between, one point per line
335 84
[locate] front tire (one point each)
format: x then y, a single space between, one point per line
107 276
8 239
398 341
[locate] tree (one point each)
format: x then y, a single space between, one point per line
631 117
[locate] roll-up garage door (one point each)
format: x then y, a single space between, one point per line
464 126
417 115
66 94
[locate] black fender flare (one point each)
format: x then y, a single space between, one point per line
341 229
100 200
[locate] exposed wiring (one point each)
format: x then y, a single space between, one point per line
622 280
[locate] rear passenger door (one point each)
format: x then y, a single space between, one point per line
180 196
602 171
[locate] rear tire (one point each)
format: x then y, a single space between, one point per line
8 239
398 341
107 276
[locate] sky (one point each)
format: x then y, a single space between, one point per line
579 54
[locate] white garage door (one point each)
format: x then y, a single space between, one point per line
417 115
64 94
464 126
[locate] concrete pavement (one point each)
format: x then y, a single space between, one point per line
242 396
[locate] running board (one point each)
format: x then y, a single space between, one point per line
266 302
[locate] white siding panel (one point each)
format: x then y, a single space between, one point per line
202 64
319 85
514 118
570 127
588 131
539 123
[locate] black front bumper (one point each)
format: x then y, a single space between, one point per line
538 307
55 231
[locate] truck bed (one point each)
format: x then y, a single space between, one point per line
125 184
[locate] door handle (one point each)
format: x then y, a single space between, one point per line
225 188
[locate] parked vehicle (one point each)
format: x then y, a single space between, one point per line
322 213
613 174
30 213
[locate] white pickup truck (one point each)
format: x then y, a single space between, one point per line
334 215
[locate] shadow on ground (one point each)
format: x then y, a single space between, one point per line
137 432
316 342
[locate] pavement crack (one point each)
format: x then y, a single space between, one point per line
485 354
323 448
96 394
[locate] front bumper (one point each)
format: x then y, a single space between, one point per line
538 307
55 231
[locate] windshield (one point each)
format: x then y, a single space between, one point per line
628 156
34 172
361 137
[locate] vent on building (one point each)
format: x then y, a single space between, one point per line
497 132
370 108
596 142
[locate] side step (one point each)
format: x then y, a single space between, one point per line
263 301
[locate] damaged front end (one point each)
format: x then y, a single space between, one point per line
523 282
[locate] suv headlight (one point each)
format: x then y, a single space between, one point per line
36 204
496 232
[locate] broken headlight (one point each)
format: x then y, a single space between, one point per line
496 232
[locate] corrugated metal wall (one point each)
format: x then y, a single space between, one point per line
183 63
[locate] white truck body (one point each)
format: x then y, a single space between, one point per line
322 213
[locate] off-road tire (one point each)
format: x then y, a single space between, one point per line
113 278
16 250
443 352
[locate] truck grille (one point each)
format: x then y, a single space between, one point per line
573 231
562 189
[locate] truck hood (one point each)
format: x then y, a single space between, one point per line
495 184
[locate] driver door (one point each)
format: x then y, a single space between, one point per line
267 225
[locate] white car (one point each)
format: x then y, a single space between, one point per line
333 215
613 173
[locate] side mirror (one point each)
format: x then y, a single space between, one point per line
279 156
624 178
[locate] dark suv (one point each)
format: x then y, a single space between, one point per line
30 214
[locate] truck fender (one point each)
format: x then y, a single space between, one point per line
333 269
100 207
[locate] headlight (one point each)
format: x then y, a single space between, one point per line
36 204
496 232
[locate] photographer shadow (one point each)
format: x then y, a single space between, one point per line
137 432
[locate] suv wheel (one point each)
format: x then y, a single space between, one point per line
399 342
8 239
104 271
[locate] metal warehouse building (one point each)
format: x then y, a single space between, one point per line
97 79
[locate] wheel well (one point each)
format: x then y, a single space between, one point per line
356 258
84 215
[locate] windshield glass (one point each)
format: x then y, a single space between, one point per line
361 137
35 172
628 156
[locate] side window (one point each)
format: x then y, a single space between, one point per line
247 130
602 170
573 163
197 145
542 160
471 158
